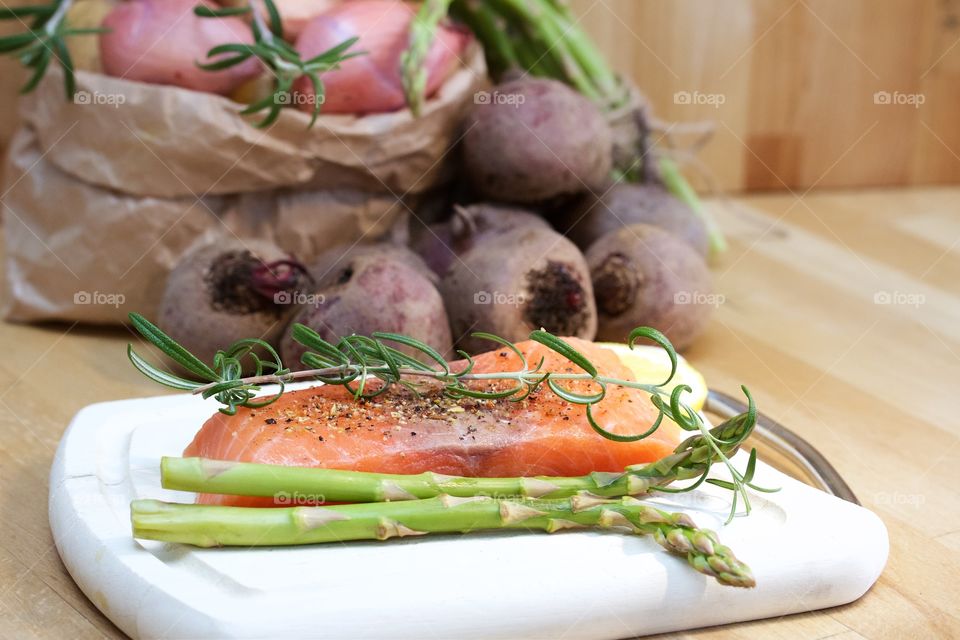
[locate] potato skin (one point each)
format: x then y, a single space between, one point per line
160 41
371 83
535 140
189 314
645 276
373 293
512 278
626 204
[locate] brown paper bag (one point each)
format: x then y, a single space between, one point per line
103 194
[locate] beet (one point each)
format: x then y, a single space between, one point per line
227 291
625 204
439 244
534 140
645 276
370 293
508 273
326 266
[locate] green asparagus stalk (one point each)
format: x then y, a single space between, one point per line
691 459
208 526
423 30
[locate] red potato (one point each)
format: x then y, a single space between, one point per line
371 83
161 42
297 14
294 14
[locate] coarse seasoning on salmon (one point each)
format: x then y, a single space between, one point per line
400 432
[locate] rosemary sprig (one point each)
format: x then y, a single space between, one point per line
354 360
43 41
283 61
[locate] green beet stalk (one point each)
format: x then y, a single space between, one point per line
679 187
291 485
209 526
541 28
483 22
584 51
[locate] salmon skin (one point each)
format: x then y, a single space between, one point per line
401 432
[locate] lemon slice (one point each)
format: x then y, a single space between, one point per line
652 365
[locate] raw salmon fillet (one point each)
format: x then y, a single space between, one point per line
399 432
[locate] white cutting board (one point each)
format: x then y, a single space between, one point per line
807 549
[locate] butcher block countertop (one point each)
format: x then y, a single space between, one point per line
840 311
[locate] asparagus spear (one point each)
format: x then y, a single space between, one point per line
423 30
207 526
691 459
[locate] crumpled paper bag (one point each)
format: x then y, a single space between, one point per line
104 193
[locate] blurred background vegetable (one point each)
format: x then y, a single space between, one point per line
372 83
160 41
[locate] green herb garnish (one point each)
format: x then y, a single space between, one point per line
354 360
43 41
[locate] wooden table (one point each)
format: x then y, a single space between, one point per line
841 312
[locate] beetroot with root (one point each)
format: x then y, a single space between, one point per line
227 291
330 262
645 276
625 204
533 140
161 41
507 272
438 244
369 293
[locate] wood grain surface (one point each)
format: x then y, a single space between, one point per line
790 84
796 78
841 311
